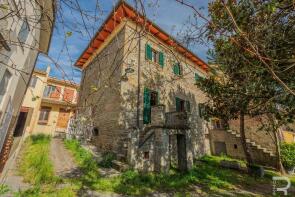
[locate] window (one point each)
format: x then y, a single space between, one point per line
217 124
182 105
44 115
4 83
48 90
197 77
177 69
154 98
24 32
146 155
235 146
201 110
33 81
150 98
95 131
154 55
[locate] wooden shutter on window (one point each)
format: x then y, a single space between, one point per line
148 52
197 76
146 106
187 106
161 59
176 69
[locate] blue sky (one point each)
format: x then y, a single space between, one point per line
168 14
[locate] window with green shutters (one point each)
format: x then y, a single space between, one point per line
146 106
161 59
187 106
177 69
182 105
155 56
201 109
197 77
148 52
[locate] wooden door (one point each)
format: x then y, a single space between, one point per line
63 118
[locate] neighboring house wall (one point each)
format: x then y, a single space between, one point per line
24 39
288 136
50 110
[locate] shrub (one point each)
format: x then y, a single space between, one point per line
107 159
288 155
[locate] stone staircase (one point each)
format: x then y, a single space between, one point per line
252 143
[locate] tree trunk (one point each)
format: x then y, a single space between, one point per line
278 158
244 143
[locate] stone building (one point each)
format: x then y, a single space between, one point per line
261 143
138 90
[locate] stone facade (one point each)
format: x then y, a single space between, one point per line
260 142
113 99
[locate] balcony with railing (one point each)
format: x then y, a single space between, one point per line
169 120
177 120
58 94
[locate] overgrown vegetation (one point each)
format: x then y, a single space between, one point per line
107 159
37 169
3 189
288 155
207 174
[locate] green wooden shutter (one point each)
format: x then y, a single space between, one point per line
177 102
161 59
146 106
187 106
148 52
197 76
201 110
158 101
176 69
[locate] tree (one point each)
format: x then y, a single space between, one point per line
254 50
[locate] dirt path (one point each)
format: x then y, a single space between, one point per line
62 160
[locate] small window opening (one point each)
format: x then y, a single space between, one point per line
235 146
95 131
146 155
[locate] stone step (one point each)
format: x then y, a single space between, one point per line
252 143
120 166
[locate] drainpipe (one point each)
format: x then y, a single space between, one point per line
138 82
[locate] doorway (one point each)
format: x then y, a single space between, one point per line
181 152
220 148
20 125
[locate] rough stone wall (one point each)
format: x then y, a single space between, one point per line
100 95
165 82
237 152
252 132
115 104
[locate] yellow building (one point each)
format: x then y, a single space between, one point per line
47 106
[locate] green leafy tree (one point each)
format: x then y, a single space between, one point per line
254 50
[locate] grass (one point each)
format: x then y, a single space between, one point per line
37 169
206 174
3 189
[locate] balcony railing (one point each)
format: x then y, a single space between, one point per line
177 120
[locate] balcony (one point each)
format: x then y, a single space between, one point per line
169 120
177 120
